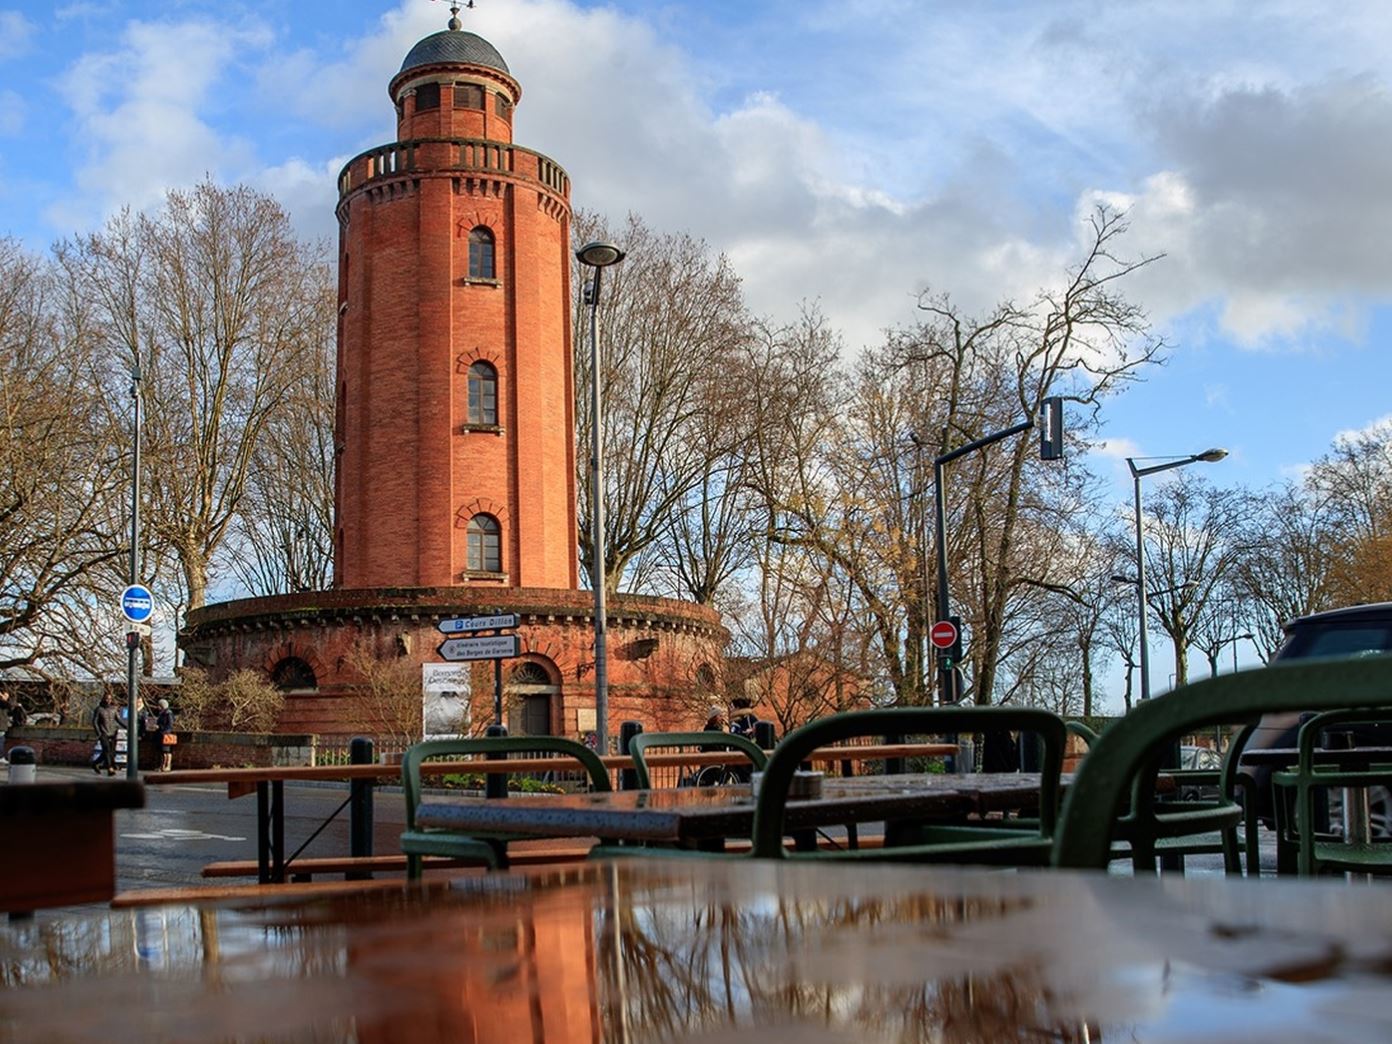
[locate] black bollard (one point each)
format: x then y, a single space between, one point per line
1029 752
360 793
495 783
628 778
765 738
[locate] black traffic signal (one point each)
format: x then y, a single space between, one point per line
1051 429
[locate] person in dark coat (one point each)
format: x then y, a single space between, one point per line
715 718
165 725
106 720
744 719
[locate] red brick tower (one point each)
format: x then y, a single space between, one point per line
455 411
455 487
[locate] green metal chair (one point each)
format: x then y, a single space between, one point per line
1311 782
931 843
645 741
1125 759
487 850
1178 828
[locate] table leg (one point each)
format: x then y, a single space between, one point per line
278 831
263 833
1358 826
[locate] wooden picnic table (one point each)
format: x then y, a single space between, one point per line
692 816
647 950
60 841
268 782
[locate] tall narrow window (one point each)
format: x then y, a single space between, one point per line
485 545
483 394
502 106
481 254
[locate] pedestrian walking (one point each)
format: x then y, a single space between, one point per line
164 722
106 720
715 718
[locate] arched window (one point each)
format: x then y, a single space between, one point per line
483 394
293 673
528 673
481 254
485 545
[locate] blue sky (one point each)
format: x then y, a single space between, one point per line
852 153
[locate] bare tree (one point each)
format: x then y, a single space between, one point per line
282 540
1193 550
672 321
1287 567
62 477
223 310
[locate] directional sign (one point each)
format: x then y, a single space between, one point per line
488 647
943 634
459 624
137 604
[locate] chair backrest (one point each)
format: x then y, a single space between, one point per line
1077 728
1308 739
1126 755
641 743
446 748
798 744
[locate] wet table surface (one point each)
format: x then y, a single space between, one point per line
679 815
734 950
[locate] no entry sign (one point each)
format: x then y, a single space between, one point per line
943 634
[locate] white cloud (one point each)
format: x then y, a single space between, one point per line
16 34
139 116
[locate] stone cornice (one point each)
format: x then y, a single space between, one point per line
535 606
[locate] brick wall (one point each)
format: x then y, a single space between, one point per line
72 746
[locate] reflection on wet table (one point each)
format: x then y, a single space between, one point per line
723 950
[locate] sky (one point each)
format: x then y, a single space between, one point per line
847 153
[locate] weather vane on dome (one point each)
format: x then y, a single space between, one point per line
454 22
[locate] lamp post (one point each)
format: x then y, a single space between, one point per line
133 647
1208 456
599 256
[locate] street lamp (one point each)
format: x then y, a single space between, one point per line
1208 456
599 256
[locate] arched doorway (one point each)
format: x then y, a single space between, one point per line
535 697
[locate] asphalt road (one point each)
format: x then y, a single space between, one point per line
184 826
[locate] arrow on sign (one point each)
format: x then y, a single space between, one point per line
497 622
489 647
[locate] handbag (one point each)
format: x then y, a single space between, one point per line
169 739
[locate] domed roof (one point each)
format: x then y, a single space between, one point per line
456 47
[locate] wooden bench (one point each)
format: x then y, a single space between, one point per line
304 869
257 893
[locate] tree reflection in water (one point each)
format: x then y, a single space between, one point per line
666 973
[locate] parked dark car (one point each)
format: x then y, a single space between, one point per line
1360 630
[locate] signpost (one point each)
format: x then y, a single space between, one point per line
461 624
495 647
137 604
486 647
138 607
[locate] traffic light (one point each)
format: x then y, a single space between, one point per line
1051 428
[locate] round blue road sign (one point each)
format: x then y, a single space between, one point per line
137 604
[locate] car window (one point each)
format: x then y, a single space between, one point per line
1313 643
